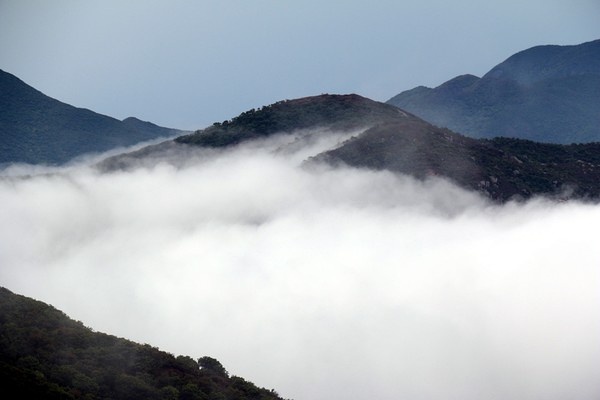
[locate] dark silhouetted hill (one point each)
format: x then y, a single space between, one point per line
37 129
546 93
46 355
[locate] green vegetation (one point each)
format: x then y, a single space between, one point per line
342 112
46 355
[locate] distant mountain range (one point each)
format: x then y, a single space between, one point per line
44 354
545 93
501 169
37 129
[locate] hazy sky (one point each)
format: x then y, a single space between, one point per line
186 64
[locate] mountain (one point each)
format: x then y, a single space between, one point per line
46 355
335 112
387 138
501 169
37 129
545 93
328 112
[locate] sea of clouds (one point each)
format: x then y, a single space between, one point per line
318 282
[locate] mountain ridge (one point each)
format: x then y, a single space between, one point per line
500 169
333 111
546 93
37 129
549 61
326 111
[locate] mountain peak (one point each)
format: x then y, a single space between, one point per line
546 93
340 112
38 129
383 137
548 62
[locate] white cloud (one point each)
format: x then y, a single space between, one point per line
321 283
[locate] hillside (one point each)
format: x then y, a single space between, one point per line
325 112
46 355
37 129
336 112
500 169
388 138
545 93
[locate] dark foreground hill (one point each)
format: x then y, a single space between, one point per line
37 129
545 93
388 138
46 355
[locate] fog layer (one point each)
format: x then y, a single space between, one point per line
321 283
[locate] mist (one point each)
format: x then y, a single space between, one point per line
318 282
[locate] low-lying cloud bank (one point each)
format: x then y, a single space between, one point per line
321 283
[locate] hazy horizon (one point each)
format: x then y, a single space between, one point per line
187 64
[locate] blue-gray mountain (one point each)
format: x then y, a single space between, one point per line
546 93
38 129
